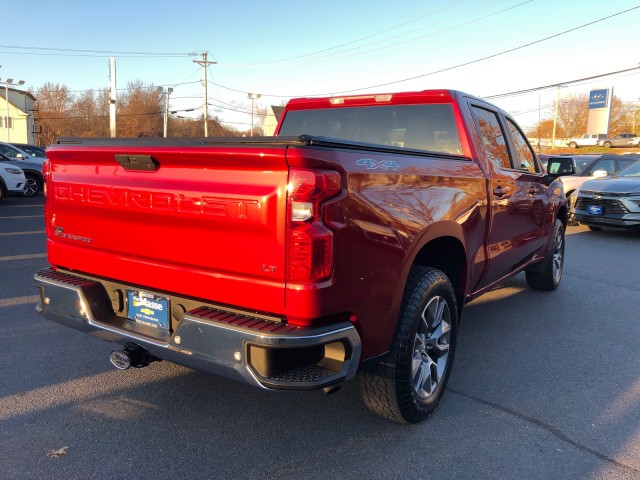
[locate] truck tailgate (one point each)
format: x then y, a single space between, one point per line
205 222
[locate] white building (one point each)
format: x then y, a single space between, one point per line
20 126
271 120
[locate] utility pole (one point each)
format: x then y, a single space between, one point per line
166 106
204 63
555 119
251 96
112 99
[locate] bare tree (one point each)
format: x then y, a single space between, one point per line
54 104
573 114
623 116
140 111
90 115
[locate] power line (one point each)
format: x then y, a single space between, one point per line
478 60
330 57
90 117
537 89
495 54
335 47
90 53
122 89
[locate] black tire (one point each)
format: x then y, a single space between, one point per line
408 384
594 229
549 278
573 145
1 192
32 185
607 144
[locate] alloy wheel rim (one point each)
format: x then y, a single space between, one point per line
557 259
431 348
30 187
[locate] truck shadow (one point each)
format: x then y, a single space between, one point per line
521 379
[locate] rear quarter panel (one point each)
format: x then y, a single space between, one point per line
385 218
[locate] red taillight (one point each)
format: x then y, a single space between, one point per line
310 242
310 252
46 166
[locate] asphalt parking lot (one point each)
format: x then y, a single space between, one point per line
545 386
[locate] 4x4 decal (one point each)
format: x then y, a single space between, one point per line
372 164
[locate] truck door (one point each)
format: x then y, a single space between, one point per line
540 213
513 225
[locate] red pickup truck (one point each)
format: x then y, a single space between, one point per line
347 244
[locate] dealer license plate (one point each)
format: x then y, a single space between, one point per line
149 309
595 209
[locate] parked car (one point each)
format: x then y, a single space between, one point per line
586 140
611 202
580 161
32 171
15 153
32 150
589 167
12 180
620 140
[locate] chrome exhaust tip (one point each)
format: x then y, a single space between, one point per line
131 355
120 359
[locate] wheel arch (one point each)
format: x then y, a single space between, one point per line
442 246
448 255
562 215
34 172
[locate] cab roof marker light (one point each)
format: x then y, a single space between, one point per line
376 98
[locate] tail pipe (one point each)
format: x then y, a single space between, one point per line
131 355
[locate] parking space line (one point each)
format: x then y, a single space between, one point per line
28 206
23 257
21 233
24 216
11 302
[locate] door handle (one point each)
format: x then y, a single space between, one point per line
499 191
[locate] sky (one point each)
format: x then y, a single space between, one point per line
285 49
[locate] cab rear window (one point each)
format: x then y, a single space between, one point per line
423 127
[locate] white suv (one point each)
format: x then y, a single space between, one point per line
11 180
586 140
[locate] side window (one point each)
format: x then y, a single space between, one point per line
524 156
623 164
606 165
492 137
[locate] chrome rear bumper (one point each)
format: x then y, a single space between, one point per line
244 347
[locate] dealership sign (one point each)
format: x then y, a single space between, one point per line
598 98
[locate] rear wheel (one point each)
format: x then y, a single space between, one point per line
408 384
32 185
549 278
1 192
607 144
573 145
